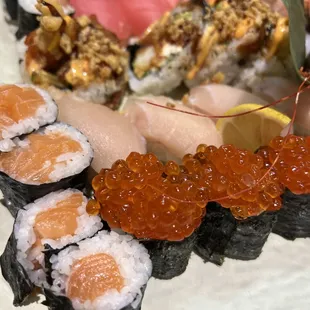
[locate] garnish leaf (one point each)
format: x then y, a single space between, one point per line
297 24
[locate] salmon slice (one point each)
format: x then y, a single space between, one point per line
16 104
93 276
59 221
35 162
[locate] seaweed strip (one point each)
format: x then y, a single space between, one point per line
17 195
12 8
170 258
14 273
294 217
54 302
221 235
27 22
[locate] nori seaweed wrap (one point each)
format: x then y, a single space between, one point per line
21 186
170 258
12 8
221 235
28 17
27 22
293 219
14 273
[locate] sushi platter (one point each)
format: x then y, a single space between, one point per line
161 165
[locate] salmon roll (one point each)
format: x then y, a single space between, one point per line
108 271
23 109
52 158
54 222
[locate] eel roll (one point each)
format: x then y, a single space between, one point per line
230 42
143 197
293 171
76 54
160 63
54 157
24 108
41 229
108 271
249 43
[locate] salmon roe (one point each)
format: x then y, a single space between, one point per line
293 164
150 200
238 175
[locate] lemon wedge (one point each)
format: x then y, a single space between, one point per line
252 130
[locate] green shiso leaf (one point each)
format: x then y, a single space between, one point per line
297 24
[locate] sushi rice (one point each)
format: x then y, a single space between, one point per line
170 76
24 232
45 114
131 257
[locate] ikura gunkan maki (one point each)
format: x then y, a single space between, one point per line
52 158
108 271
54 222
153 202
238 226
293 171
23 108
12 8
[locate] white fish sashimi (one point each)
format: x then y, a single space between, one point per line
216 99
179 133
111 135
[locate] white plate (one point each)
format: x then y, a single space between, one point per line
278 280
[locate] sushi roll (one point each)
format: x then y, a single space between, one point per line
12 8
55 220
142 197
241 216
52 158
251 42
78 55
164 55
28 15
222 235
24 108
108 271
293 171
